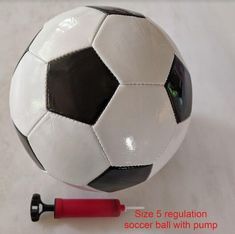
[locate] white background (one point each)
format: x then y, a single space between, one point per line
201 175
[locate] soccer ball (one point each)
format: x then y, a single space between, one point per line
101 98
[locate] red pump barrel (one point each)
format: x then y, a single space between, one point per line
87 208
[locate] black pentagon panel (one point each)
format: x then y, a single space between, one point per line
179 89
28 148
117 178
117 11
79 86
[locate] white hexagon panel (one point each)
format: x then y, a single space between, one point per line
136 51
67 33
28 101
101 99
137 125
68 149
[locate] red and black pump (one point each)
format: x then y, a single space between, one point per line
65 208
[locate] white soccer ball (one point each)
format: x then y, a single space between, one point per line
101 98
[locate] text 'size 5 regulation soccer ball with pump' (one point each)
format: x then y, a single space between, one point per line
101 99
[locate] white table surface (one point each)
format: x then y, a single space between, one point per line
200 176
